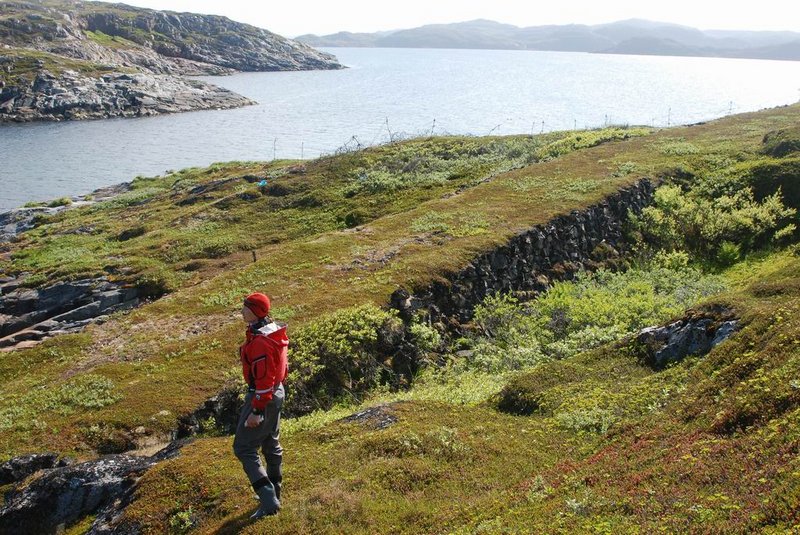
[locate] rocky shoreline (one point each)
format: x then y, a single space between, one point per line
70 60
74 96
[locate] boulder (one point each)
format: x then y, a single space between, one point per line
18 468
696 334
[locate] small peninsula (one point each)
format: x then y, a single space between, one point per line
66 59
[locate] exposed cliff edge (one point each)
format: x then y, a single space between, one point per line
67 59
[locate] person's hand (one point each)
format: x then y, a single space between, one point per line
253 420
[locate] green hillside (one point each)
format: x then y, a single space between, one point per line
515 426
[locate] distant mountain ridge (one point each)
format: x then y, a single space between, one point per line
633 36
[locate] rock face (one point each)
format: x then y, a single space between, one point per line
531 260
75 96
19 220
66 59
153 41
28 314
63 495
16 469
221 411
696 334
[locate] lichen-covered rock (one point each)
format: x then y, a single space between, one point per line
18 468
63 495
696 334
30 314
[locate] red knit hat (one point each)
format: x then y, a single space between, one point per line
258 303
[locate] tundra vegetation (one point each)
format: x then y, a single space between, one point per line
540 417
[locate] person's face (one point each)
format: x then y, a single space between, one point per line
247 315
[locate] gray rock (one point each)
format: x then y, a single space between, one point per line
694 335
63 495
378 417
31 314
18 468
19 220
724 332
75 96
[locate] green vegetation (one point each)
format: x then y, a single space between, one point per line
24 64
732 210
547 423
596 308
338 354
610 446
110 41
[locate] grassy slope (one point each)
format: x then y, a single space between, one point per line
166 357
709 445
173 353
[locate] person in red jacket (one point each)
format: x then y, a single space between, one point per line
264 366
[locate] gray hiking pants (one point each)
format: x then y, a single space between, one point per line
266 437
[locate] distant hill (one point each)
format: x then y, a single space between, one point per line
634 36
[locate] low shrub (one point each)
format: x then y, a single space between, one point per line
679 220
594 309
340 355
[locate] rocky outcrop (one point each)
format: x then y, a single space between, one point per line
214 40
218 414
19 220
696 334
530 261
377 417
75 96
16 469
28 314
153 41
73 60
61 496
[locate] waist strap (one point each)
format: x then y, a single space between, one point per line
252 389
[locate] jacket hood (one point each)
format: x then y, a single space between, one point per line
275 331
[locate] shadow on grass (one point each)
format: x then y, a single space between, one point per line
237 523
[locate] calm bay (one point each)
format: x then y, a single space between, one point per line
383 93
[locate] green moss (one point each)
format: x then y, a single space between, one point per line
110 41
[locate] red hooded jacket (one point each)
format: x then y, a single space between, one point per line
264 360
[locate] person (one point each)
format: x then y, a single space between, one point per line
264 366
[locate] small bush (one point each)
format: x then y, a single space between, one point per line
339 356
182 521
430 222
63 201
728 254
677 220
594 420
425 337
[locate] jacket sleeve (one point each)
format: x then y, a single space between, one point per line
265 372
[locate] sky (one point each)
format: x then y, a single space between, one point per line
297 17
